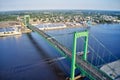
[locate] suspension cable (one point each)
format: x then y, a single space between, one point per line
103 46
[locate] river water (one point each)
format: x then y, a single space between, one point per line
30 57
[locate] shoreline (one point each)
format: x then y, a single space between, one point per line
26 30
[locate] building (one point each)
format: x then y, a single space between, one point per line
49 26
9 31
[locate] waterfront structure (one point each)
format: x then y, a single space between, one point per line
49 26
10 31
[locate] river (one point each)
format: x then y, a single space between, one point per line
30 57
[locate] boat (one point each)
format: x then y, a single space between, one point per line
81 53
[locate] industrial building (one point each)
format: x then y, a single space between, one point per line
49 26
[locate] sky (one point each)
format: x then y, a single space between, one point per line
8 5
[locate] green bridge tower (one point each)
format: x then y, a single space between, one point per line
26 20
84 57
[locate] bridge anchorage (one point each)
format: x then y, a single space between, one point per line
81 63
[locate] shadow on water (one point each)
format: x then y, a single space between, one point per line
42 51
25 64
53 65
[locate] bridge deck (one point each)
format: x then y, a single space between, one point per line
92 71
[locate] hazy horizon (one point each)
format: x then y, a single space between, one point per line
56 9
14 5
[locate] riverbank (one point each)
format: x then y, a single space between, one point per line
5 24
9 31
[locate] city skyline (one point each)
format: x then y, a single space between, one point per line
7 5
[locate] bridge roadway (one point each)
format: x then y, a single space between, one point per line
87 67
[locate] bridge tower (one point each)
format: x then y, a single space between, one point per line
84 56
26 20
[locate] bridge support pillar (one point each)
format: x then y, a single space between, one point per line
26 20
76 36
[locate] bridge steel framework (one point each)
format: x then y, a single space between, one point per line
84 57
77 62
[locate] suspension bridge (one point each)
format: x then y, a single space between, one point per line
86 66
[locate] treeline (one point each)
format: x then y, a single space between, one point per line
62 15
8 17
